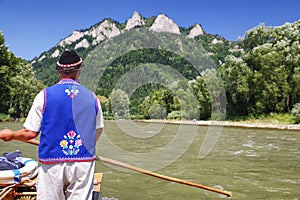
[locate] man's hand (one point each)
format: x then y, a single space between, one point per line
6 135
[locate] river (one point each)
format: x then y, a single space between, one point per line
250 163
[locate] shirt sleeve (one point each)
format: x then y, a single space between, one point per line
34 119
99 117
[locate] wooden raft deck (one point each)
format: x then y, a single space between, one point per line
13 192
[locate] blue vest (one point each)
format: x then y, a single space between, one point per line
68 132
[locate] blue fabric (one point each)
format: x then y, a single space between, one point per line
68 131
10 161
27 161
17 177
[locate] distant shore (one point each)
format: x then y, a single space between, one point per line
239 124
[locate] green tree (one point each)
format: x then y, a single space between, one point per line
295 85
266 76
296 113
159 103
203 96
18 85
217 93
119 104
236 76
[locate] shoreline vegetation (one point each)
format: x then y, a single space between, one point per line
279 122
235 124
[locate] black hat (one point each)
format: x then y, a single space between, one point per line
69 61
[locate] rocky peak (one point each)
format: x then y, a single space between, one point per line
82 44
134 21
216 41
105 30
164 24
195 31
108 29
55 54
76 35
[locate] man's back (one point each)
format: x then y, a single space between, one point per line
68 125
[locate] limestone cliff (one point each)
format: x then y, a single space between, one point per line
195 31
135 21
164 24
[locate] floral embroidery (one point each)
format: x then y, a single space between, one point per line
71 143
72 91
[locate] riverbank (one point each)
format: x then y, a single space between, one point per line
236 124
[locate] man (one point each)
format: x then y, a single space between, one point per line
69 118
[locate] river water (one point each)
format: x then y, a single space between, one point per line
250 163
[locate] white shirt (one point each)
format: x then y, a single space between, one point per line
34 119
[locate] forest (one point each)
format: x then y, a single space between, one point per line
261 78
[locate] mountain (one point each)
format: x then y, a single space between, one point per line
109 28
84 41
164 24
134 21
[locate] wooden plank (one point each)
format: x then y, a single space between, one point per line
7 194
22 194
97 181
97 195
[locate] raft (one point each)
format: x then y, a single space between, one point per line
21 183
17 176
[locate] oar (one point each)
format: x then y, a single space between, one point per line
121 164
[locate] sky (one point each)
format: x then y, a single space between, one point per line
31 27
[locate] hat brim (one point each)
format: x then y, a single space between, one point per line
69 69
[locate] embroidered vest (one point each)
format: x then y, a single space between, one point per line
68 132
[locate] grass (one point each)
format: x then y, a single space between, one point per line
273 118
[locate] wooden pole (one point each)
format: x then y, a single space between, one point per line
168 178
33 141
